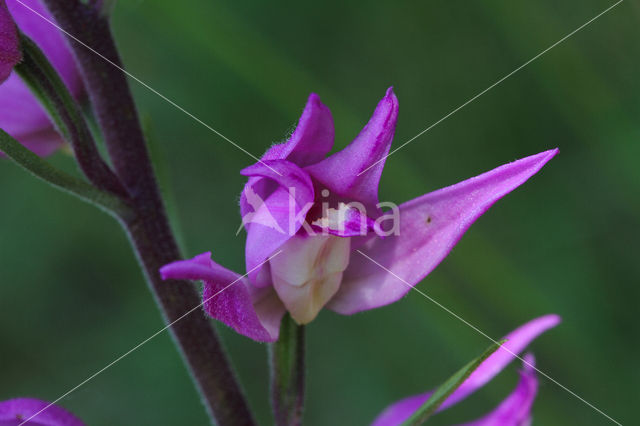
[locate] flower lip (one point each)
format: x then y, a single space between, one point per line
308 273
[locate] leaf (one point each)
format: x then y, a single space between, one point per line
448 387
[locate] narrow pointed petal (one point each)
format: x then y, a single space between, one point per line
311 141
14 412
515 343
429 227
9 45
272 221
515 410
340 172
229 298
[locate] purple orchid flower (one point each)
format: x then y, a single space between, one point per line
515 410
15 411
315 225
21 115
9 45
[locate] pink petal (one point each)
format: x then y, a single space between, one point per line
270 222
15 411
339 172
515 343
9 46
429 227
515 410
311 141
227 297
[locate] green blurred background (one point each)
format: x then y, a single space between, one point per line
72 298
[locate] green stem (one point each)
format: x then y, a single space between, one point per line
444 391
61 180
44 82
286 361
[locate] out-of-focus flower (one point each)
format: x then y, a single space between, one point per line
309 214
20 113
9 44
15 411
515 410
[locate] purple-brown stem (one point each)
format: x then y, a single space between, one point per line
148 229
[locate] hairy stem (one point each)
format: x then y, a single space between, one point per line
287 366
44 82
148 230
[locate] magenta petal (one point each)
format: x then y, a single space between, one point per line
339 172
228 297
9 45
515 343
272 221
429 227
311 141
15 411
515 410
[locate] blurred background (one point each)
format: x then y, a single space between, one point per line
72 298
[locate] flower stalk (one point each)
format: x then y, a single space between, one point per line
61 180
147 227
45 83
287 366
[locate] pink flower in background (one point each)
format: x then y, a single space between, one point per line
15 411
515 410
20 113
9 45
325 256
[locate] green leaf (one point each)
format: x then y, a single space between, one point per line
448 387
59 179
286 362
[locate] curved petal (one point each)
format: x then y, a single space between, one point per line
515 410
228 297
311 141
14 412
272 221
515 343
9 45
429 227
339 172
